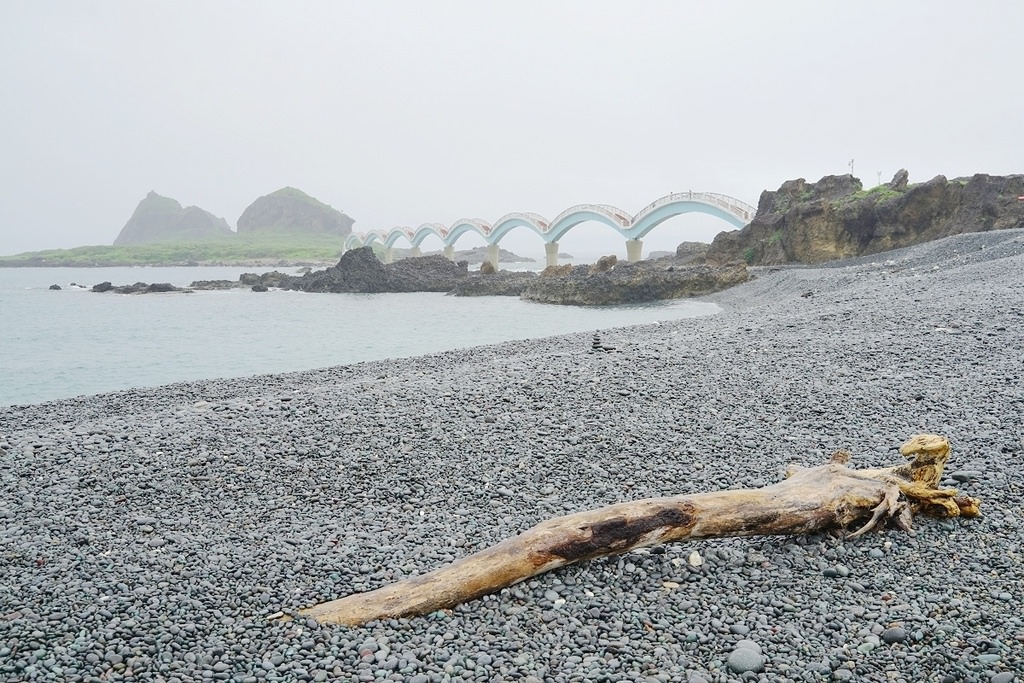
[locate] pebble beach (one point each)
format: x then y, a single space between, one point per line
160 534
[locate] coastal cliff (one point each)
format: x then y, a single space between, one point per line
836 218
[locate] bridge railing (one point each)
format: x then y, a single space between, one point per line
730 204
614 211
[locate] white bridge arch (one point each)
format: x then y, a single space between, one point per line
632 228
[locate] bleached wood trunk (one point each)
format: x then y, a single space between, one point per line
812 499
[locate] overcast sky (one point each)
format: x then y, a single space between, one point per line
401 113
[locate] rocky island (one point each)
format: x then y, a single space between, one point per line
290 211
162 219
283 228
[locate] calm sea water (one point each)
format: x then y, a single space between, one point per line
59 344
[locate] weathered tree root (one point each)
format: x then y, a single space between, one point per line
811 499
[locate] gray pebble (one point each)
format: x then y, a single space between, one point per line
895 634
745 659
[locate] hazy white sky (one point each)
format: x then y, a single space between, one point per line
401 113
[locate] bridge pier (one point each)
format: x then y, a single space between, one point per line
634 250
492 255
550 254
449 252
389 254
415 251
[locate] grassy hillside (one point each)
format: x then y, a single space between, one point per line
237 249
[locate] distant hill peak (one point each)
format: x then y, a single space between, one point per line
163 219
290 210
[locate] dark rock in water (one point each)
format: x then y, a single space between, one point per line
260 288
630 283
835 218
424 274
292 211
55 287
214 284
272 279
487 268
360 271
161 287
162 219
138 288
502 283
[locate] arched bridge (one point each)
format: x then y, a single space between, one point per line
632 228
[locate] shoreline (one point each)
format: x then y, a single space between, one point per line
199 510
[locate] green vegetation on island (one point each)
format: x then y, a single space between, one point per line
260 248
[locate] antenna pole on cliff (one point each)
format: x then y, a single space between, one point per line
851 166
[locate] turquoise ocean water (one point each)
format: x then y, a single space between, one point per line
59 344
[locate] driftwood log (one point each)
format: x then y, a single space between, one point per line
828 497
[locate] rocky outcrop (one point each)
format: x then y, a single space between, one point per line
292 211
836 218
479 255
604 264
215 284
502 283
690 252
162 219
274 278
138 288
631 283
424 274
360 271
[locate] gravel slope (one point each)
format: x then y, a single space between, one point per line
151 534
